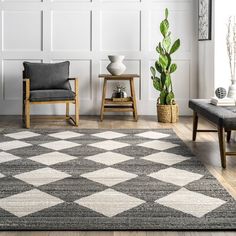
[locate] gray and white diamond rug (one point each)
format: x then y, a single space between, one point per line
107 180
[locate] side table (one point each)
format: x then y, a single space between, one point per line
129 105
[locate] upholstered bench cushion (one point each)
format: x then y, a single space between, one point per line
223 116
51 95
47 75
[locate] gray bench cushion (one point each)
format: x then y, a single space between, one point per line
223 116
51 95
47 76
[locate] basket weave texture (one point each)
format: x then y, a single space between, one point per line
168 113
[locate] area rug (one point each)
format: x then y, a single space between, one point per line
107 180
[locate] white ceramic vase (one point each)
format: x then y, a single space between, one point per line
232 90
116 67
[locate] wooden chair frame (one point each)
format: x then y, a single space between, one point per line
27 103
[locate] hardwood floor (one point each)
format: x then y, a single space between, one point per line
205 148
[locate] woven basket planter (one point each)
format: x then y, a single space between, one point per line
168 113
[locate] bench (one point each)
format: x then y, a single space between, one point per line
224 118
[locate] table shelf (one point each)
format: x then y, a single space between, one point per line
118 109
129 101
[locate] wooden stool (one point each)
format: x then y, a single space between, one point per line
127 105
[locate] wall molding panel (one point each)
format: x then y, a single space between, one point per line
85 32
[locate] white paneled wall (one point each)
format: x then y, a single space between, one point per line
85 32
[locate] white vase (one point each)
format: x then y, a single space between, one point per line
116 67
232 90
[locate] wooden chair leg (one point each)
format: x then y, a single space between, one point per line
67 110
27 114
27 104
103 98
228 136
76 113
195 125
221 136
23 113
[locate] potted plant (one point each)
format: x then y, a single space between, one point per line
167 109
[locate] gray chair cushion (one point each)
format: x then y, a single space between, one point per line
51 95
47 76
223 116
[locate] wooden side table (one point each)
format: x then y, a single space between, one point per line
129 105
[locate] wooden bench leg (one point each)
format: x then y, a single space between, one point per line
228 136
195 125
221 135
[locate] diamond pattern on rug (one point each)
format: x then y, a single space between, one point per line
52 158
6 157
152 135
65 135
42 176
109 176
165 158
22 135
109 145
10 186
59 145
110 202
70 190
19 166
107 180
176 176
26 203
190 202
109 135
109 158
158 145
6 146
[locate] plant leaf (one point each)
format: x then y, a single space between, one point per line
158 67
168 81
169 60
157 84
164 27
163 78
163 97
153 71
166 43
173 68
163 60
175 46
162 51
169 97
166 13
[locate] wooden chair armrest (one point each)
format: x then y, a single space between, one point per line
76 85
26 80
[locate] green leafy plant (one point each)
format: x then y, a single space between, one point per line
164 68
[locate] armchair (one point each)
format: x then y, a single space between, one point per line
48 84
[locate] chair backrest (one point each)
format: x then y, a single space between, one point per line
47 75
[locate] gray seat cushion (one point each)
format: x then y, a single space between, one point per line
51 95
47 76
223 116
